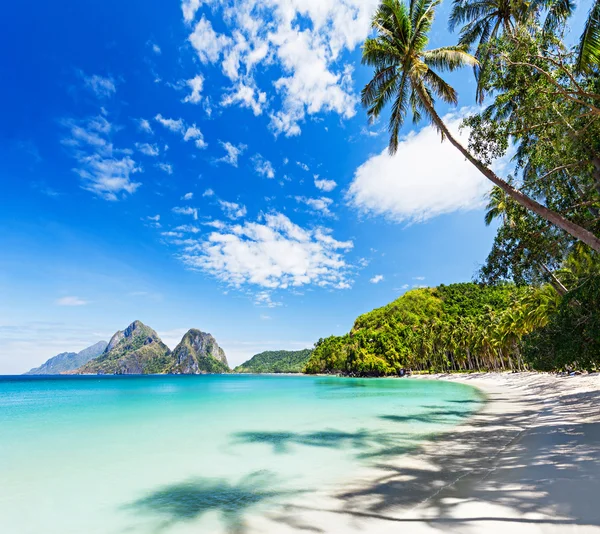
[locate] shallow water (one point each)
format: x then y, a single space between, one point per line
182 454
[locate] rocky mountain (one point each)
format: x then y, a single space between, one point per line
276 361
68 361
135 350
197 353
139 350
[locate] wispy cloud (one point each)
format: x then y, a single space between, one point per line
144 126
232 210
175 125
165 167
233 152
103 169
102 87
147 149
262 166
376 279
186 211
71 301
318 205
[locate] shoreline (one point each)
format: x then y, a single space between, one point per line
527 462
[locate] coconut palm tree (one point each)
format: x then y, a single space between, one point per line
496 207
482 21
589 46
405 75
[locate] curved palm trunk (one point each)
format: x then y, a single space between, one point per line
575 230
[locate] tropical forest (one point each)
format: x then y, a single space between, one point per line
534 303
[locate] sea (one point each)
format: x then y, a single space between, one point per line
199 454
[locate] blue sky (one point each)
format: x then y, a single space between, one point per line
208 165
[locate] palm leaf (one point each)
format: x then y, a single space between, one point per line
588 56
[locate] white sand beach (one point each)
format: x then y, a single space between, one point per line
528 462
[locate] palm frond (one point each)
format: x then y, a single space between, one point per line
588 57
398 115
449 58
441 88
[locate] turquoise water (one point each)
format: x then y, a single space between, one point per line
183 454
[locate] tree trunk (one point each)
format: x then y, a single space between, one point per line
555 282
571 228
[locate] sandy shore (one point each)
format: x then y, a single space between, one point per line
528 462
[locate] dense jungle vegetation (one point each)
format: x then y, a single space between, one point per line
535 301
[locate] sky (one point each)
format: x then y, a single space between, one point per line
207 164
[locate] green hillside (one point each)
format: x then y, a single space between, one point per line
276 361
447 328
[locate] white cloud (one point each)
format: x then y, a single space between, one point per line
265 300
71 301
165 167
299 42
324 184
154 218
103 169
233 152
320 205
195 84
232 210
175 125
303 166
271 253
189 8
208 193
147 149
156 49
188 228
186 211
421 278
426 178
376 279
144 126
101 86
189 133
207 43
219 225
187 196
194 133
246 96
262 166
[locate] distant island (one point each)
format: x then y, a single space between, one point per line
276 361
69 361
139 350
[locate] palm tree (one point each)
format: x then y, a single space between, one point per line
404 73
497 205
589 45
482 21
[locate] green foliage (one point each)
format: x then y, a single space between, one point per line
276 361
406 72
455 327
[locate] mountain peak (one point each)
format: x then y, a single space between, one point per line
136 325
199 352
